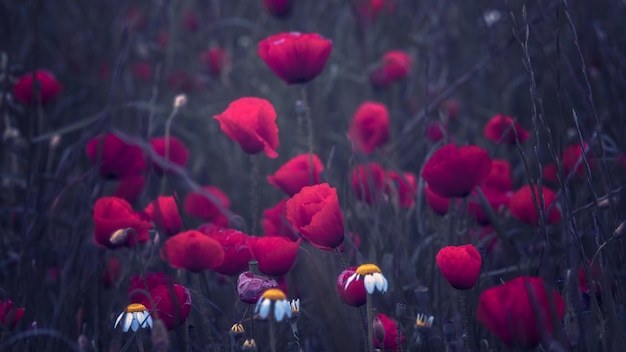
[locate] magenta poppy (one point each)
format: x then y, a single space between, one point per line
436 131
192 250
388 328
522 205
140 285
440 205
115 158
354 294
276 255
9 315
297 173
368 182
496 200
503 129
116 224
275 222
171 149
402 187
236 250
208 209
460 265
369 128
216 59
130 188
163 211
48 88
500 176
171 304
395 66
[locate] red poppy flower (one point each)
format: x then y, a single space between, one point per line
369 128
278 8
596 278
117 225
486 238
111 272
295 57
275 222
502 129
297 173
9 315
171 304
355 294
436 131
496 199
49 88
192 250
276 255
130 188
518 312
142 70
402 187
500 176
171 149
460 265
201 207
216 59
523 207
140 286
116 159
251 122
250 287
370 9
236 251
164 212
368 182
190 21
314 212
440 205
454 172
395 66
573 160
549 173
389 329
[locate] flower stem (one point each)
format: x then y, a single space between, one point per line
139 341
272 335
309 125
254 194
468 341
370 330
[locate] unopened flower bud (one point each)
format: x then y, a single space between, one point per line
249 345
179 101
379 330
236 331
400 310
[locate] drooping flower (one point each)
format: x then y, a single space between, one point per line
373 278
116 224
460 265
454 172
500 176
440 205
519 312
275 221
273 301
522 205
236 250
297 173
314 212
295 57
250 287
216 59
202 207
169 303
9 315
134 316
115 158
389 331
251 122
354 294
368 182
192 250
369 128
163 211
278 8
276 255
171 149
402 187
48 88
395 66
503 129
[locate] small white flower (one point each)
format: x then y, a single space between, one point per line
424 321
373 278
276 299
133 317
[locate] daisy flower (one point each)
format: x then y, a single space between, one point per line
372 277
134 316
275 300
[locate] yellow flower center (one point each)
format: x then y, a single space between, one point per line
367 269
135 307
274 294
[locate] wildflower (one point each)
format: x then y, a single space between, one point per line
295 308
276 255
171 149
250 287
387 338
496 200
278 8
49 88
236 330
163 211
9 315
460 265
141 285
500 177
142 70
297 173
117 225
314 212
368 182
236 250
436 131
295 57
504 129
202 207
369 128
440 205
372 278
115 159
454 172
424 321
251 122
273 300
216 59
395 66
523 207
249 345
275 222
192 250
130 188
170 303
354 294
401 187
133 317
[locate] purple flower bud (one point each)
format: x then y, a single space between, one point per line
250 287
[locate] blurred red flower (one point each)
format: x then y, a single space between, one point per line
296 173
163 211
141 286
130 188
518 312
370 9
275 222
395 66
276 255
573 160
116 224
523 207
192 250
9 315
250 287
116 159
216 59
355 294
389 329
142 70
440 205
369 128
436 131
251 122
295 57
502 129
402 187
596 277
460 265
549 173
314 212
48 89
111 272
201 207
500 176
497 201
368 182
236 250
454 172
278 8
191 22
175 150
171 304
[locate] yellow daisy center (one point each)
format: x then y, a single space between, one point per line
274 294
367 269
135 307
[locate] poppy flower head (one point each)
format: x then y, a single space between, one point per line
523 207
278 8
236 250
47 88
440 205
141 285
573 160
368 182
295 57
216 59
163 211
500 176
9 315
436 131
117 225
354 294
460 265
496 200
171 304
130 188
192 250
171 149
297 173
369 128
389 331
142 70
395 66
116 159
314 212
275 222
251 122
276 255
503 129
402 187
204 208
250 287
453 172
519 311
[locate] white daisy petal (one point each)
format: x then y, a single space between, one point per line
350 279
127 321
140 317
369 283
378 280
119 317
288 308
385 285
279 310
135 324
149 321
264 308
